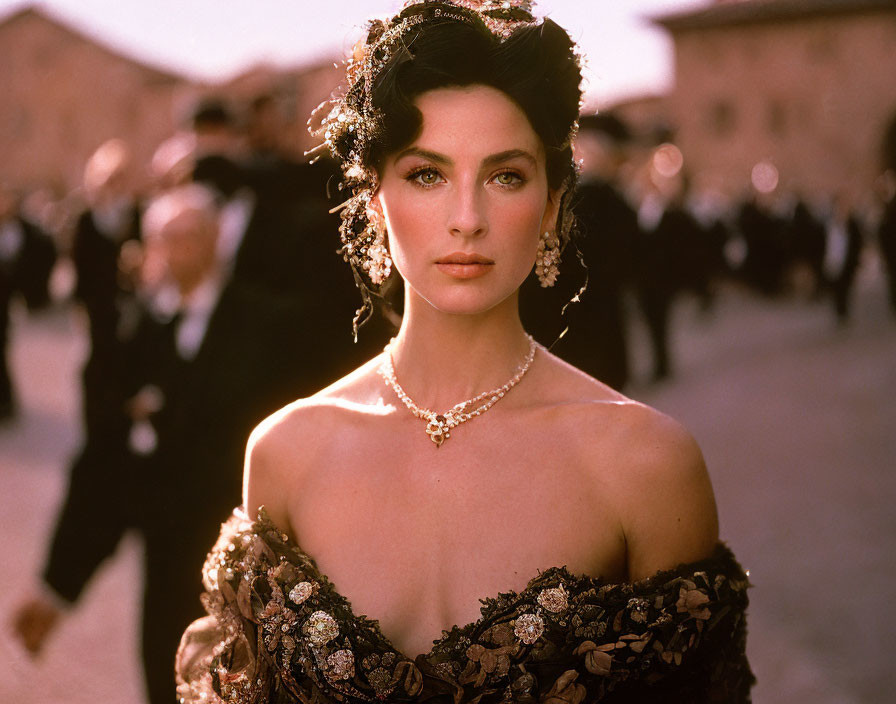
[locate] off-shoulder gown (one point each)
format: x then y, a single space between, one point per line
278 632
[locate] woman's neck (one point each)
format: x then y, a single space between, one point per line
441 359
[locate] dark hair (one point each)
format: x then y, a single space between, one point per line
535 67
212 112
607 124
219 173
437 44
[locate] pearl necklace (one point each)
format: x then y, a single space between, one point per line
439 425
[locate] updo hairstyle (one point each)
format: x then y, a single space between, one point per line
436 44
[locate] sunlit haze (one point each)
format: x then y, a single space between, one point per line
215 39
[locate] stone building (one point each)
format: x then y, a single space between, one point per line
64 94
297 91
806 86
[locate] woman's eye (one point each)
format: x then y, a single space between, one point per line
426 177
508 178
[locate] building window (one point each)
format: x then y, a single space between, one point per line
776 118
822 48
20 123
721 118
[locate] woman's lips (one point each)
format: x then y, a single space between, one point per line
461 265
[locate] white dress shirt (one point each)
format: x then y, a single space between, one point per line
196 311
12 239
233 222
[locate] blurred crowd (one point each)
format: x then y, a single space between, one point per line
648 232
212 297
275 231
651 233
213 293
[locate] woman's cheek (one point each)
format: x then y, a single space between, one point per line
524 217
407 230
409 219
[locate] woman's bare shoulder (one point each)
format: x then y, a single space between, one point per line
653 467
600 412
664 493
670 507
561 384
290 442
303 420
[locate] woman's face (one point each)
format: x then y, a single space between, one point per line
465 204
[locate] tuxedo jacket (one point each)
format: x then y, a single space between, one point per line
252 360
95 257
29 273
595 342
293 253
255 357
855 240
271 254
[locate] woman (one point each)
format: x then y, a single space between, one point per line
561 538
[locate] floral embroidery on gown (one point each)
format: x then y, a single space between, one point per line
278 632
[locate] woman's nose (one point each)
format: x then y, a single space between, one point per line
467 217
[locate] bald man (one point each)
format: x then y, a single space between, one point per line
208 361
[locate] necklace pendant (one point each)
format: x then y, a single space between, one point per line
438 426
438 429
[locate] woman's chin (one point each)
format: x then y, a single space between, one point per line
468 301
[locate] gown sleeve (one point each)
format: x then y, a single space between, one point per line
679 636
222 657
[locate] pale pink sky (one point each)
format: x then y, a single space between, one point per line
217 38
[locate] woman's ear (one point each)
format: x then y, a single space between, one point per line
374 209
552 209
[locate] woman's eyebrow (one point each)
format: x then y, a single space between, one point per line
490 160
508 156
425 154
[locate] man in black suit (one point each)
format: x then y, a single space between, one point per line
277 177
27 256
807 234
259 241
102 233
765 235
886 235
668 236
843 249
607 232
207 363
291 252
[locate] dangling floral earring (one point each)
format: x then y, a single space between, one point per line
547 259
377 262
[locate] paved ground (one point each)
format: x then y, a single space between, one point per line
797 423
